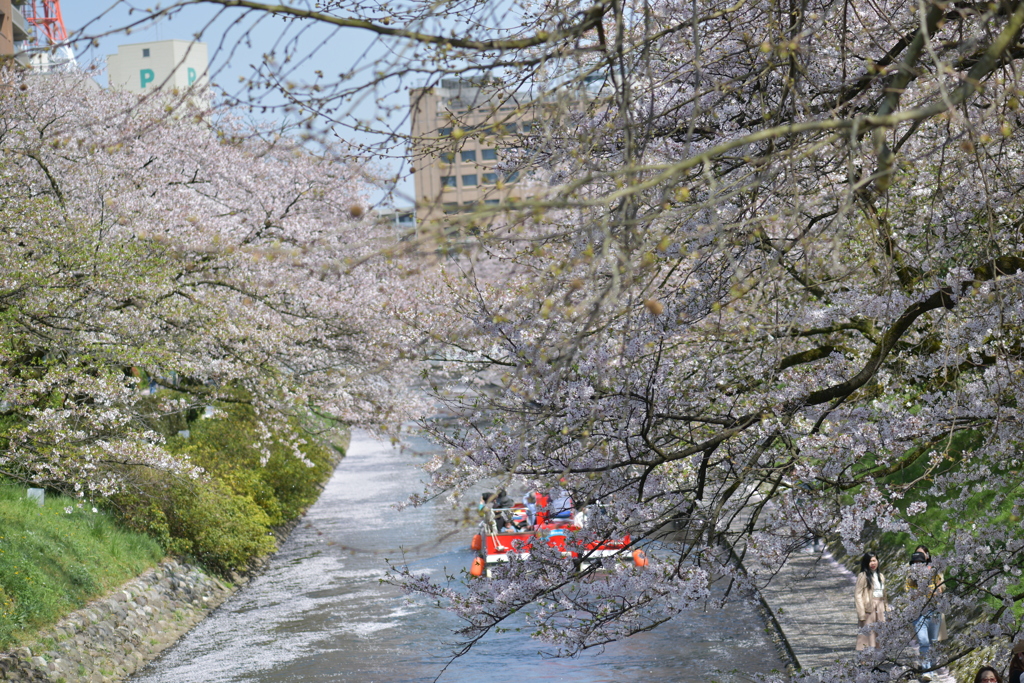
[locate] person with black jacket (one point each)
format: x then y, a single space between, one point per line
1016 663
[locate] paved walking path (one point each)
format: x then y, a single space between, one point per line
812 598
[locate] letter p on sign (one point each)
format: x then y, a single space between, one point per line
146 77
191 75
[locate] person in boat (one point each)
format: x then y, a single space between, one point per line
501 505
540 508
520 518
530 502
562 507
502 501
487 504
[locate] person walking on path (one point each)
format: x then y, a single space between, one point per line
1016 674
869 598
931 625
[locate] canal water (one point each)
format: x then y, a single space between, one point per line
320 613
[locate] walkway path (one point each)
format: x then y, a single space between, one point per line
812 598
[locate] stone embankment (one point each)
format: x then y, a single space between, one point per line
112 638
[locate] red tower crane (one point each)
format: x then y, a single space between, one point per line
45 16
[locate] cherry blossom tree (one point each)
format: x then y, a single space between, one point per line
772 266
161 238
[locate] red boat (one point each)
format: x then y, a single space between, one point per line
511 531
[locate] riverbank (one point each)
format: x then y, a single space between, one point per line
118 634
113 637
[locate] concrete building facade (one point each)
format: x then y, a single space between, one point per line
14 28
458 129
166 64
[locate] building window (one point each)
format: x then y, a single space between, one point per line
145 52
490 178
447 157
468 155
512 177
489 154
444 132
526 127
450 207
447 181
469 180
492 201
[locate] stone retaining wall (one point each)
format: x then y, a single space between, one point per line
115 636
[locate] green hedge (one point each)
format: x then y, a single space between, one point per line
203 520
225 519
226 447
53 561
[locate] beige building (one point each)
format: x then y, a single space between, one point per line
458 129
169 64
14 28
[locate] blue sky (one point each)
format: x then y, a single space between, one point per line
243 48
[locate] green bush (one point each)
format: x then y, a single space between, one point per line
227 448
221 529
224 520
53 561
202 519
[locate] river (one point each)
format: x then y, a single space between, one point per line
320 613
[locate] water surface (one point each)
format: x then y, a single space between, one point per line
320 613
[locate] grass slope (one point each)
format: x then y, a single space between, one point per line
53 561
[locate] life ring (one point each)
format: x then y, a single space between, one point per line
639 558
477 569
477 543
